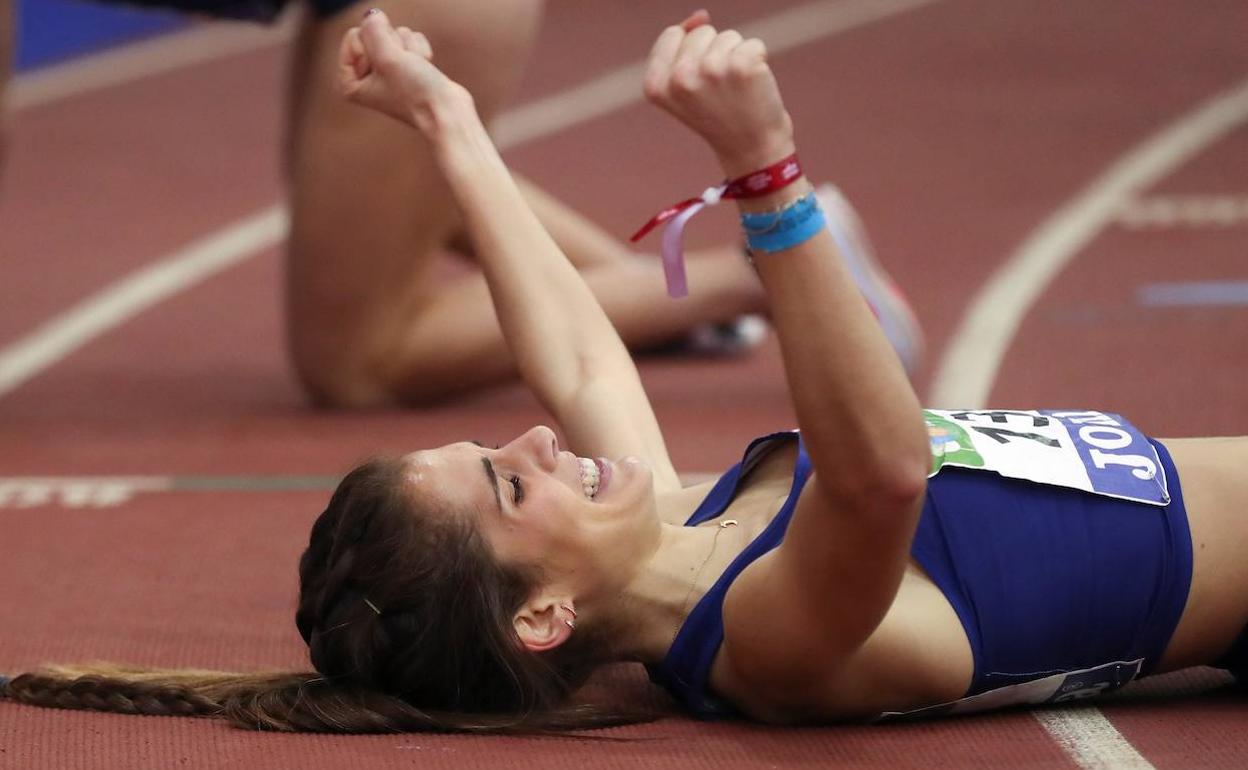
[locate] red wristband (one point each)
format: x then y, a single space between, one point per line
755 184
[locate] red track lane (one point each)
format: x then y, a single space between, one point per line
206 580
101 184
1175 370
956 129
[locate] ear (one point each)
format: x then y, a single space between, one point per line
541 624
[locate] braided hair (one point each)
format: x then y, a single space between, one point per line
408 620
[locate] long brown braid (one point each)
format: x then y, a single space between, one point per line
408 620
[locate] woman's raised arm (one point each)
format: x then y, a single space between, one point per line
565 347
846 548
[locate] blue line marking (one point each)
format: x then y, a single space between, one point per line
50 31
1195 294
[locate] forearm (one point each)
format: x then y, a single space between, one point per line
858 413
554 327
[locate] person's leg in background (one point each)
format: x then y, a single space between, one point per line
367 325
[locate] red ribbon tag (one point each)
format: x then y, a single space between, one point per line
753 185
776 176
662 217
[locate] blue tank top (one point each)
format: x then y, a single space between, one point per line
1062 593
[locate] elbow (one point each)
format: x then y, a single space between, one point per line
884 493
904 480
887 473
898 484
905 475
899 481
906 483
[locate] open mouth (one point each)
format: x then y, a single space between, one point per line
591 477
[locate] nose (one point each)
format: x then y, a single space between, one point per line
541 446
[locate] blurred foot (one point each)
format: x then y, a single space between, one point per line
886 300
729 338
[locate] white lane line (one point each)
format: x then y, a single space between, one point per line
1194 211
1194 294
1090 739
77 491
202 42
177 272
124 299
619 88
970 363
19 492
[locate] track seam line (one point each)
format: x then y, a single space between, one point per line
110 491
1191 211
971 360
131 295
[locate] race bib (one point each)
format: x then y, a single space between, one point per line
1091 451
1063 687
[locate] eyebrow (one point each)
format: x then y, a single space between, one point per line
493 477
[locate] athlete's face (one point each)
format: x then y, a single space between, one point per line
538 506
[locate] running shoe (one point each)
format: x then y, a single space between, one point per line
886 300
729 338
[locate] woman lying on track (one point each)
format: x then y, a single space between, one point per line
885 560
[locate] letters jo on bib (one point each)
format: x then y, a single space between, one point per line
1092 451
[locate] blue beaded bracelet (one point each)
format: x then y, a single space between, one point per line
796 223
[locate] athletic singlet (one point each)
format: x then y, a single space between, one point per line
1062 593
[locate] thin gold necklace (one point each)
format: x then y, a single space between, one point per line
684 604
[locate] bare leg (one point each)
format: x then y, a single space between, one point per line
631 291
366 323
732 292
368 205
584 242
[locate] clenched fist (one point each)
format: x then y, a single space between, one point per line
720 86
390 70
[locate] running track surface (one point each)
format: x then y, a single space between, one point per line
959 128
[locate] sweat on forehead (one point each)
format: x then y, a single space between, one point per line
451 475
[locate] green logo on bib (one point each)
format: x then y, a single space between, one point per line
950 444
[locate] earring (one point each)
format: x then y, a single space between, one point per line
571 611
570 624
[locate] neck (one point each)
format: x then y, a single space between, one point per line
656 602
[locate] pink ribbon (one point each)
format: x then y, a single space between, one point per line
672 246
672 249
